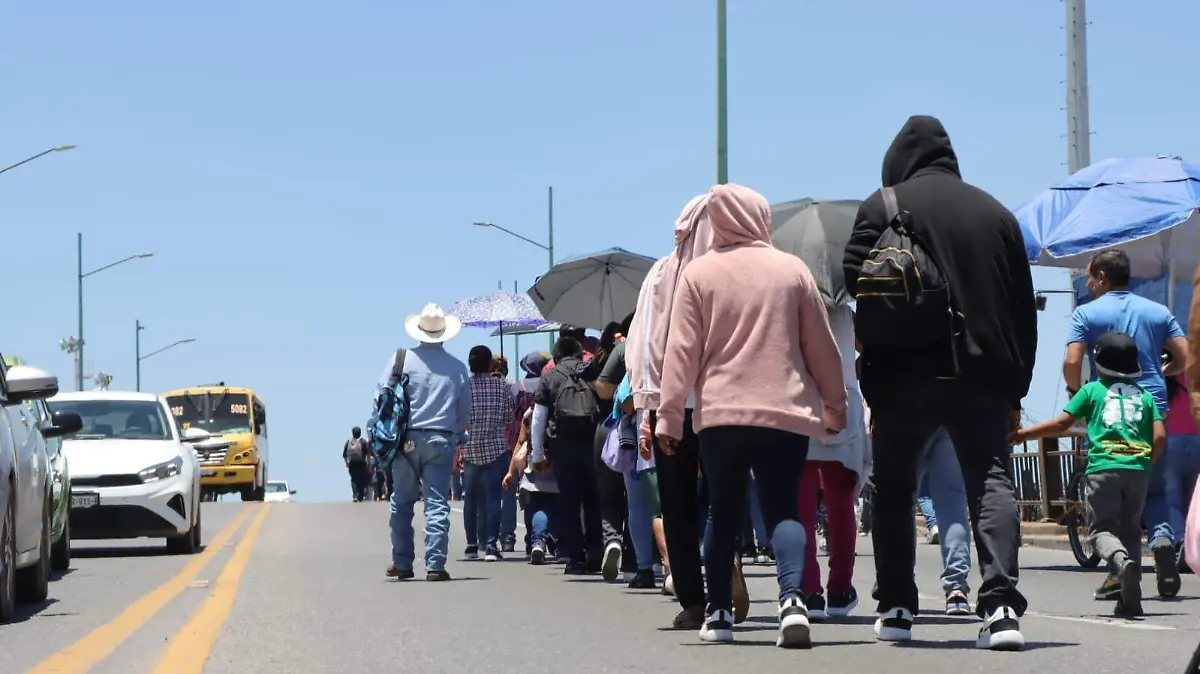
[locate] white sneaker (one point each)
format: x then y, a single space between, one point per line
931 536
718 628
894 625
794 630
669 586
1001 631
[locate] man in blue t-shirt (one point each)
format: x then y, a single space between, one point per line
1155 331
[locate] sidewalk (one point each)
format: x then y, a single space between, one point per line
1033 534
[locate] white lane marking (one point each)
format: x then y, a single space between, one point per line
1107 622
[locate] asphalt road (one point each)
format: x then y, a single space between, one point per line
299 587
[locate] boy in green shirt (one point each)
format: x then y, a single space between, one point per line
1125 435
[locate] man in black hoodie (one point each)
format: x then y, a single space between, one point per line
978 246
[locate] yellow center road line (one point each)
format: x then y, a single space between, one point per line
190 648
101 642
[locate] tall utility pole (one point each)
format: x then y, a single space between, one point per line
137 351
722 100
1079 147
79 333
550 240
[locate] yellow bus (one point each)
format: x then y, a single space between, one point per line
236 459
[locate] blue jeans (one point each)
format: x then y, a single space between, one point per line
948 495
483 484
508 508
1182 467
539 508
756 516
925 503
1157 514
640 521
430 462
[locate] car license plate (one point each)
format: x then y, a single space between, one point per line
84 500
207 473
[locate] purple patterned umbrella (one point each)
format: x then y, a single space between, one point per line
498 309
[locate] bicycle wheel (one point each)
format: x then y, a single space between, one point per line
1079 520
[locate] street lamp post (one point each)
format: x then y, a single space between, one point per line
60 148
722 100
548 246
78 340
138 327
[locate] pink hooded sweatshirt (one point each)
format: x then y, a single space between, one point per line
647 338
749 332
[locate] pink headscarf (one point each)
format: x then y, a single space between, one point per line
648 333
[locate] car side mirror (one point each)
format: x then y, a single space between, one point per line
194 434
26 382
63 423
292 492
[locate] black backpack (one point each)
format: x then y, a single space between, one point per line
576 408
904 300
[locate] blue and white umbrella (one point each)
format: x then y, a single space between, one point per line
1144 206
591 291
499 309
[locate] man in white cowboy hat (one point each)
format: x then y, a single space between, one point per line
439 392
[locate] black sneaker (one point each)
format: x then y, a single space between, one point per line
760 555
718 628
815 605
643 580
492 554
537 556
1129 604
958 603
1001 631
508 546
842 603
611 565
894 625
441 575
575 569
472 552
794 630
1166 567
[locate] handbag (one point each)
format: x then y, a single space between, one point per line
1191 538
613 455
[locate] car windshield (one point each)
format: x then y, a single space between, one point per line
218 413
276 487
117 419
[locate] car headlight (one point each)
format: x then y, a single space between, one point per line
162 471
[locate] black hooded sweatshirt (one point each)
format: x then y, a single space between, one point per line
978 245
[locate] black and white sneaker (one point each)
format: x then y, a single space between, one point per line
794 630
537 556
894 625
957 603
610 567
718 628
815 603
842 603
472 552
1001 631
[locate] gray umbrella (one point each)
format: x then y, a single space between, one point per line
816 231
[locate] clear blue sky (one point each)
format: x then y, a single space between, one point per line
282 159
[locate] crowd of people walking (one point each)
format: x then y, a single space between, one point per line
737 410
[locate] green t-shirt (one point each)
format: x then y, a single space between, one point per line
1120 419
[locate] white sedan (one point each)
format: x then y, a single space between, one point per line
133 475
278 491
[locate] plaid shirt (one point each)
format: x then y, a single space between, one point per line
492 409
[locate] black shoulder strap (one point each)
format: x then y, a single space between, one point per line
398 366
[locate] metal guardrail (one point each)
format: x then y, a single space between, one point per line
1040 476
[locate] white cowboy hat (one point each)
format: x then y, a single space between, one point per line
432 325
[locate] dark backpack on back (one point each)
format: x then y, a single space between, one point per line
389 422
356 450
576 408
904 300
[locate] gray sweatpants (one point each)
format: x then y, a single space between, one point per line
1116 499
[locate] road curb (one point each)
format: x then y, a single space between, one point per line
1046 535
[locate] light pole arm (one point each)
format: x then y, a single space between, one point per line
26 161
110 266
166 348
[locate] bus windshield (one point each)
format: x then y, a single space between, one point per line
216 412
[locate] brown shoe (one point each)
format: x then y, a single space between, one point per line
741 596
689 619
399 574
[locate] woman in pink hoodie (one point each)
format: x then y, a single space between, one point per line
750 335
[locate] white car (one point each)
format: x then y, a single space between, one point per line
278 491
26 501
133 475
